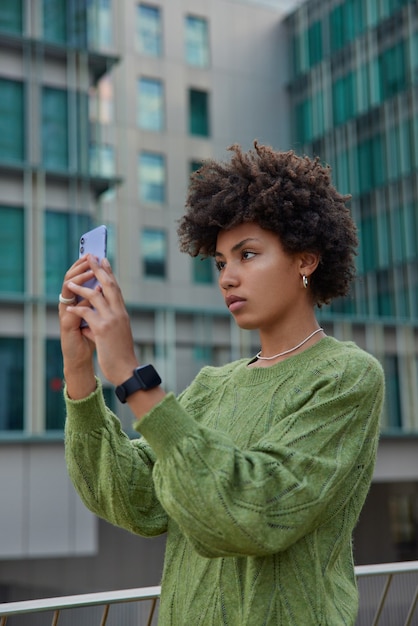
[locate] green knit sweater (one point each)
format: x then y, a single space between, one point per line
257 475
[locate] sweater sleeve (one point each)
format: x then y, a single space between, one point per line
311 464
111 473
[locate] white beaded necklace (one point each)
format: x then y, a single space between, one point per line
275 356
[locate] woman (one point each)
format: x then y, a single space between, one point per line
259 469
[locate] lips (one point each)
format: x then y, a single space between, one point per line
230 300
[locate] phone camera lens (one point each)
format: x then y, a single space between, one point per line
81 249
82 240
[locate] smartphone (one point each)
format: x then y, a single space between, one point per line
93 242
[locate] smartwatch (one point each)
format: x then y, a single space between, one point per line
144 377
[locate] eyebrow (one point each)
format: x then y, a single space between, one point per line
239 245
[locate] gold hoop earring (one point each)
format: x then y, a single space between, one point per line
305 281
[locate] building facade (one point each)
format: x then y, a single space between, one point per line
353 94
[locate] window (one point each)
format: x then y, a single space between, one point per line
12 144
152 177
393 394
154 253
11 383
149 30
12 258
150 104
65 22
198 113
392 71
202 270
100 24
54 129
55 407
197 41
62 232
315 43
11 16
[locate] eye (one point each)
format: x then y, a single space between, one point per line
246 254
219 265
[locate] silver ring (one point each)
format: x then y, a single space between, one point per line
63 300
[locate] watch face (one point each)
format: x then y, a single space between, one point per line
148 376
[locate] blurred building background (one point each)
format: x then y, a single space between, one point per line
106 108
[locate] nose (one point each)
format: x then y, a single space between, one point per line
229 276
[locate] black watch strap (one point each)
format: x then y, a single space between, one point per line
144 377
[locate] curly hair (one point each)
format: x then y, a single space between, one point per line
289 195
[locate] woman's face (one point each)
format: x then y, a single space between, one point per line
260 282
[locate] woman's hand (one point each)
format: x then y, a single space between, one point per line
108 322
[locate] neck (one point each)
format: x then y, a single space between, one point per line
289 342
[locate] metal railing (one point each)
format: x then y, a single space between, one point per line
388 597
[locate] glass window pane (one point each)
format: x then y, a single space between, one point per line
99 24
55 407
62 232
150 104
12 133
315 43
12 257
202 270
154 252
152 177
149 30
392 70
11 383
54 129
197 41
198 113
55 20
11 16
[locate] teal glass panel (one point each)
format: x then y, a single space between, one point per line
398 234
11 383
149 30
393 393
385 293
378 163
392 71
411 231
55 406
344 98
303 122
65 21
154 253
152 177
393 153
406 147
61 235
336 28
341 170
12 256
197 41
318 114
384 239
199 113
202 270
368 243
54 129
376 96
194 166
55 20
12 123
315 43
11 16
150 104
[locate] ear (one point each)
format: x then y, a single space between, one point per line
308 262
